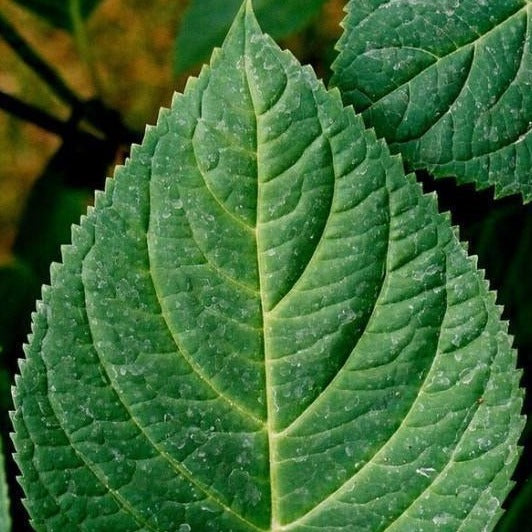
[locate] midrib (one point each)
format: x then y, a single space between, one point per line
270 406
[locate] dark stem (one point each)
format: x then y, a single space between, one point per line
42 119
46 121
32 114
94 111
25 51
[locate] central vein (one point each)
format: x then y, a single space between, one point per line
268 383
270 404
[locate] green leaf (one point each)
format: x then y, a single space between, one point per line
447 85
264 325
61 13
5 520
205 24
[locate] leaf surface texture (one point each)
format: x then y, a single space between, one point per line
447 85
264 325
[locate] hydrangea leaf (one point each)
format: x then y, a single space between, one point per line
263 324
214 17
60 12
5 520
447 84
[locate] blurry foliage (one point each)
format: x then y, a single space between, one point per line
126 75
132 49
59 13
214 17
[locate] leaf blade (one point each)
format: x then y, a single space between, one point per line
454 100
247 382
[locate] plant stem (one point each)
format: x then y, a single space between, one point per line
31 114
94 111
37 116
82 43
26 52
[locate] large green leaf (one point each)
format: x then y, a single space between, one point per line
60 13
5 520
205 24
264 325
446 83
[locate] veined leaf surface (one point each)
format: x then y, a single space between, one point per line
60 13
264 325
5 520
448 84
214 17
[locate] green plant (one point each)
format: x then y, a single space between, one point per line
265 324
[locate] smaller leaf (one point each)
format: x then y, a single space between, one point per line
206 22
447 84
5 521
59 12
